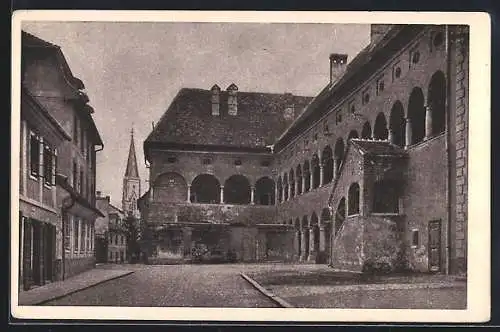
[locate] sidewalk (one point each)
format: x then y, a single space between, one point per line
71 285
323 288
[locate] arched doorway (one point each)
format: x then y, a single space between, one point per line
327 161
264 191
366 132
307 176
314 228
316 171
299 179
279 189
397 124
380 129
205 188
291 179
170 187
416 114
285 187
237 190
437 102
305 237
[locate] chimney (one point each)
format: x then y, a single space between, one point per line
215 99
378 31
232 101
337 66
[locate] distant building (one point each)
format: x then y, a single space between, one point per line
111 238
372 172
59 142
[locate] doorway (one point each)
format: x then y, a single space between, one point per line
435 245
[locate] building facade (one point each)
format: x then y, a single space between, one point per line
111 239
66 166
370 173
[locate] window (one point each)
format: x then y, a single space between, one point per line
207 161
353 199
338 118
82 236
415 57
34 155
438 39
315 137
397 72
326 130
366 98
171 160
82 141
122 239
67 235
414 238
116 239
380 85
237 162
48 171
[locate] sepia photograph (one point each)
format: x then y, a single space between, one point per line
182 162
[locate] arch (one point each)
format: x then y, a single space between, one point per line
316 171
285 187
380 129
298 176
437 102
264 191
205 188
353 199
339 152
291 180
366 132
170 187
305 245
340 215
279 189
315 229
416 114
327 162
325 216
307 176
397 123
352 134
237 190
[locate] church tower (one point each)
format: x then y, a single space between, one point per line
131 182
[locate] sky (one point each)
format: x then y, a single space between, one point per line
133 70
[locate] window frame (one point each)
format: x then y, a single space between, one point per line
34 175
415 231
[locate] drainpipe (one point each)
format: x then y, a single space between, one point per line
66 205
448 148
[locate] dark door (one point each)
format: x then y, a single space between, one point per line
27 271
435 245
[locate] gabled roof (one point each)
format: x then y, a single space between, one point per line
259 121
377 147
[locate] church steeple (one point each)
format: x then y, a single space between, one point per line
131 181
131 170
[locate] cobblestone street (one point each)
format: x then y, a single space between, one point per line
173 285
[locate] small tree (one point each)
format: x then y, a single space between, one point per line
131 228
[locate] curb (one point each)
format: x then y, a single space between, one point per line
266 292
81 289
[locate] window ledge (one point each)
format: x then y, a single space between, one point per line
37 203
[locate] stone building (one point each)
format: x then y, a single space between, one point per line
370 173
111 240
58 150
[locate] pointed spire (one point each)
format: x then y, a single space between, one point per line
131 170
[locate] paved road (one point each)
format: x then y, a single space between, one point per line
174 285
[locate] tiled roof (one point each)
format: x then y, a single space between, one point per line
378 147
258 123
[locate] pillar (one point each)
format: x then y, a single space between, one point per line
311 181
283 189
428 122
296 184
296 244
335 168
303 234
408 133
303 183
151 192
222 194
321 174
188 199
276 200
391 136
290 190
312 253
252 195
322 238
